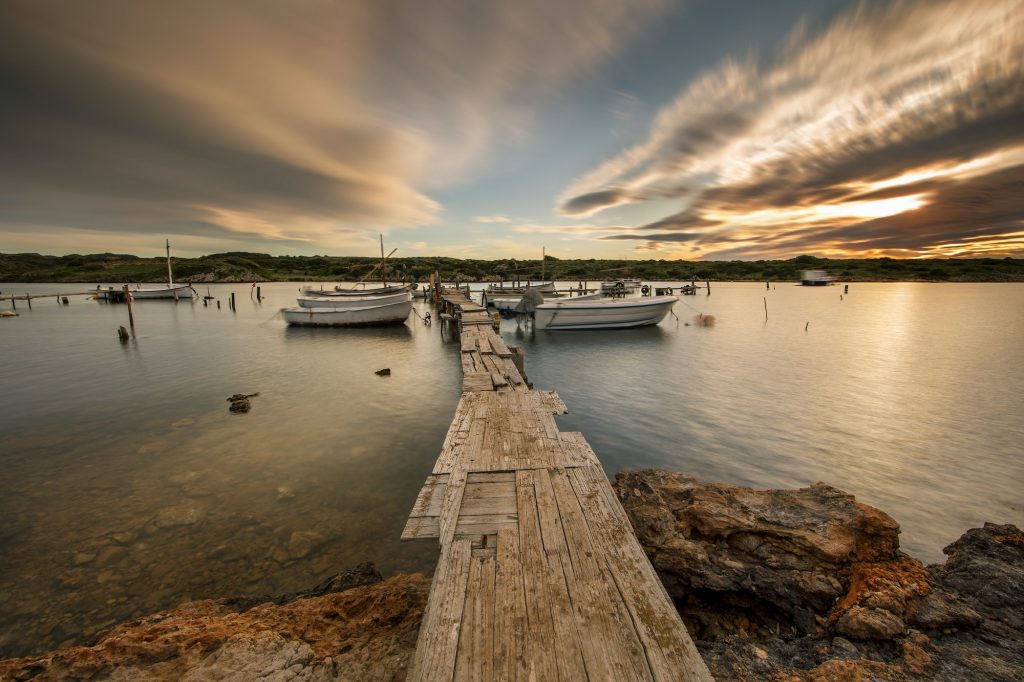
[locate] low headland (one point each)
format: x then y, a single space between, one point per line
249 267
800 585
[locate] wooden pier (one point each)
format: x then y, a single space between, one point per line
540 576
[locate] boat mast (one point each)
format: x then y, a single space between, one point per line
383 275
543 256
169 283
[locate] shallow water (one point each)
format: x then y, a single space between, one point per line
129 487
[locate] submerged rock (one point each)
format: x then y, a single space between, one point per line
816 581
240 402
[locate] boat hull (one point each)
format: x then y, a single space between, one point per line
176 292
339 302
606 314
370 316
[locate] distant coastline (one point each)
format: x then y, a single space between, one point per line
248 267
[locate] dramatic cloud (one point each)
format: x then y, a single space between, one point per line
894 131
273 121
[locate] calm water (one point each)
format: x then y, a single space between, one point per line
128 487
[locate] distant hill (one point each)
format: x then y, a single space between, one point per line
242 266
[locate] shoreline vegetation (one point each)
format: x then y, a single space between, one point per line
249 267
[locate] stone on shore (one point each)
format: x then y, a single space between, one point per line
352 630
816 580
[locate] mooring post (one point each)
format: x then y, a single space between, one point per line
218 304
259 296
131 316
766 309
232 300
28 297
122 334
14 306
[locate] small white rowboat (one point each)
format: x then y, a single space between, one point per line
603 314
368 316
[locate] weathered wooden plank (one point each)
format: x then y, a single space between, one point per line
437 643
612 650
474 659
542 662
499 347
567 638
470 528
450 505
511 644
488 490
491 477
552 402
428 502
480 506
420 527
669 650
467 343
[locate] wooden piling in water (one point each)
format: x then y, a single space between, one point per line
131 315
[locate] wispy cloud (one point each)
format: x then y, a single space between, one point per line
488 219
256 120
866 128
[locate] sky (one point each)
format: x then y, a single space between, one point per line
704 129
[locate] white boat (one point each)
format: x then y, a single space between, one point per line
171 291
353 301
816 278
504 291
366 316
340 292
606 313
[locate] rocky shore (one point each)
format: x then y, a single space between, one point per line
786 585
811 585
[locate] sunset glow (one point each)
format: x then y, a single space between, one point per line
648 127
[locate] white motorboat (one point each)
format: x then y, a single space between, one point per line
816 278
353 301
606 313
171 291
365 316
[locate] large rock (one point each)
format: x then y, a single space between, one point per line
366 632
809 584
785 555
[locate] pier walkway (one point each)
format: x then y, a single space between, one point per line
540 576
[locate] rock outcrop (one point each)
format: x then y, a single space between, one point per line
353 626
809 584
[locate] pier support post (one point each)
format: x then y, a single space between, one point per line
131 316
